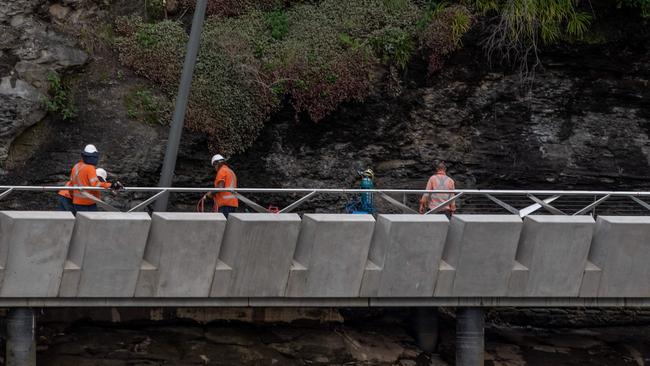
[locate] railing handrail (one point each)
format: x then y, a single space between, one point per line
333 190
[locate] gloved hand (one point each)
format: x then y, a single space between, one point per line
117 186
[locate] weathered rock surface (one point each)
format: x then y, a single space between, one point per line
30 50
584 124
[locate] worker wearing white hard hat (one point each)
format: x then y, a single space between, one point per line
84 174
102 174
225 202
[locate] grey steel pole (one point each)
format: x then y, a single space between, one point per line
176 129
470 336
21 347
426 328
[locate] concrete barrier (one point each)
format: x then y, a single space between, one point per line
553 252
404 256
181 254
621 251
256 255
33 248
479 255
130 259
331 255
105 254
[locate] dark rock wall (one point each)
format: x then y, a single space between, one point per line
583 124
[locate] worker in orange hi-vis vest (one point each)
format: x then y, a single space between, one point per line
84 174
225 202
440 180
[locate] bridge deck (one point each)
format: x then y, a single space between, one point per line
190 259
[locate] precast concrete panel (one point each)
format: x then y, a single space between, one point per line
34 247
331 255
182 251
108 248
256 255
621 250
554 251
404 256
481 251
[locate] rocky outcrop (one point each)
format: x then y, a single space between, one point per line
30 50
583 124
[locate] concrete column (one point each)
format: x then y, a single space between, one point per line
21 347
425 324
470 340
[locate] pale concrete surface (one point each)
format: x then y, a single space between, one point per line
331 255
621 249
258 249
182 250
33 248
277 259
554 251
108 248
404 255
481 249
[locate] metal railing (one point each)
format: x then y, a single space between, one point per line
517 202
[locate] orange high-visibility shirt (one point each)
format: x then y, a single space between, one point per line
66 192
84 175
229 179
439 181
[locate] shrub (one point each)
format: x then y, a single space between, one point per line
59 100
518 27
142 105
441 34
230 8
313 55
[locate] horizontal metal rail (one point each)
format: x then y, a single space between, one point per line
334 190
532 199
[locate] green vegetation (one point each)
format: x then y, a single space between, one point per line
519 27
258 55
314 56
59 100
143 106
642 5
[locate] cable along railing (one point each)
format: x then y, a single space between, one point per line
470 201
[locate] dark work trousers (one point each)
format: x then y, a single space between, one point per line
86 208
65 204
227 210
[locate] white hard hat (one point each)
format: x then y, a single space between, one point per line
217 158
101 173
90 149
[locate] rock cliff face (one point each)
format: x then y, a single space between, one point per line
584 124
29 51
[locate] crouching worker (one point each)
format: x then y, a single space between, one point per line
84 174
65 199
225 202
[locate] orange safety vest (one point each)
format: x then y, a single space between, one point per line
440 181
229 179
66 192
84 175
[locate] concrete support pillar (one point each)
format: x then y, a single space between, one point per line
425 325
470 340
21 346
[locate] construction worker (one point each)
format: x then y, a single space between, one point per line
65 195
65 199
84 174
367 182
225 202
439 181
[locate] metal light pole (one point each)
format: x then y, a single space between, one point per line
176 129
